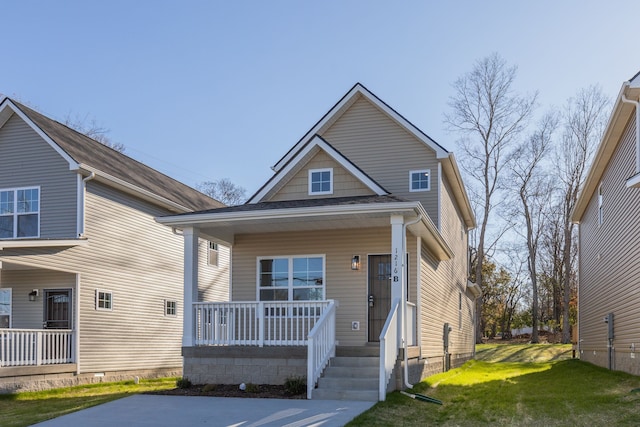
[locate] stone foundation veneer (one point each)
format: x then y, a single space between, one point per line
46 380
237 364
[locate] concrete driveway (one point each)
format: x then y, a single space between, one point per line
159 410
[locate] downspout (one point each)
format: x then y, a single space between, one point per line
82 201
636 103
403 305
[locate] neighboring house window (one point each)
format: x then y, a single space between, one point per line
170 307
212 258
295 278
5 308
19 213
600 210
419 180
104 300
321 181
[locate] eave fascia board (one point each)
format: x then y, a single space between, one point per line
7 103
445 251
288 213
620 114
42 243
317 141
134 189
359 89
460 192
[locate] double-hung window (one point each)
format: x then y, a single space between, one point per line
293 278
419 180
5 308
320 181
19 213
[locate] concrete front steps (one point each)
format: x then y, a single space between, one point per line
351 375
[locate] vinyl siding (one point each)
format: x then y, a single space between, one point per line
26 160
609 279
30 314
141 263
344 183
384 151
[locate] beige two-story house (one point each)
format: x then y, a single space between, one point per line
349 265
90 284
607 212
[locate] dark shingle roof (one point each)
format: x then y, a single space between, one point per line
87 151
306 203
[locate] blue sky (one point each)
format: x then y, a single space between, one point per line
202 90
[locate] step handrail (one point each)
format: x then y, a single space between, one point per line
388 349
321 345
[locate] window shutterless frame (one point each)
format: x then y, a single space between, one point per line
104 300
291 278
420 180
320 181
20 213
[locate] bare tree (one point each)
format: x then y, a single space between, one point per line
223 190
534 189
490 116
584 125
93 130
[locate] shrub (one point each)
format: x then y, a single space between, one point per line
183 383
252 388
295 385
209 387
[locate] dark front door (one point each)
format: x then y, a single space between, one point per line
57 309
379 294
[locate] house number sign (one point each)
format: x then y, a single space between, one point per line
395 266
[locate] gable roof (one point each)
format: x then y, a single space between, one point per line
340 107
108 165
622 112
318 141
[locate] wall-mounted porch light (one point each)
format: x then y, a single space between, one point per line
355 262
33 294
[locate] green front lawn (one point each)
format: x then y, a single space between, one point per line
556 392
25 409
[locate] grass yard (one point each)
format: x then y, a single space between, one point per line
24 409
517 385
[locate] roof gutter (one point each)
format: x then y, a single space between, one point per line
134 189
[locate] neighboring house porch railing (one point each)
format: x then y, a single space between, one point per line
321 346
256 323
35 347
388 348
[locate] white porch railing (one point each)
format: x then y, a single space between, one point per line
255 323
321 346
35 347
388 349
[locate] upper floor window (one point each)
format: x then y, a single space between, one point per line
321 181
19 213
419 180
600 210
295 278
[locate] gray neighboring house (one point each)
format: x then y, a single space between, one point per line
608 214
349 265
90 284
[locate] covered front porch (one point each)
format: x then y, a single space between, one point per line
304 284
37 333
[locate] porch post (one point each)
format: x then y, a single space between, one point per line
190 235
397 270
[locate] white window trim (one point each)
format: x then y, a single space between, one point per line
10 306
420 171
15 214
213 247
316 193
98 308
290 286
175 305
600 208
